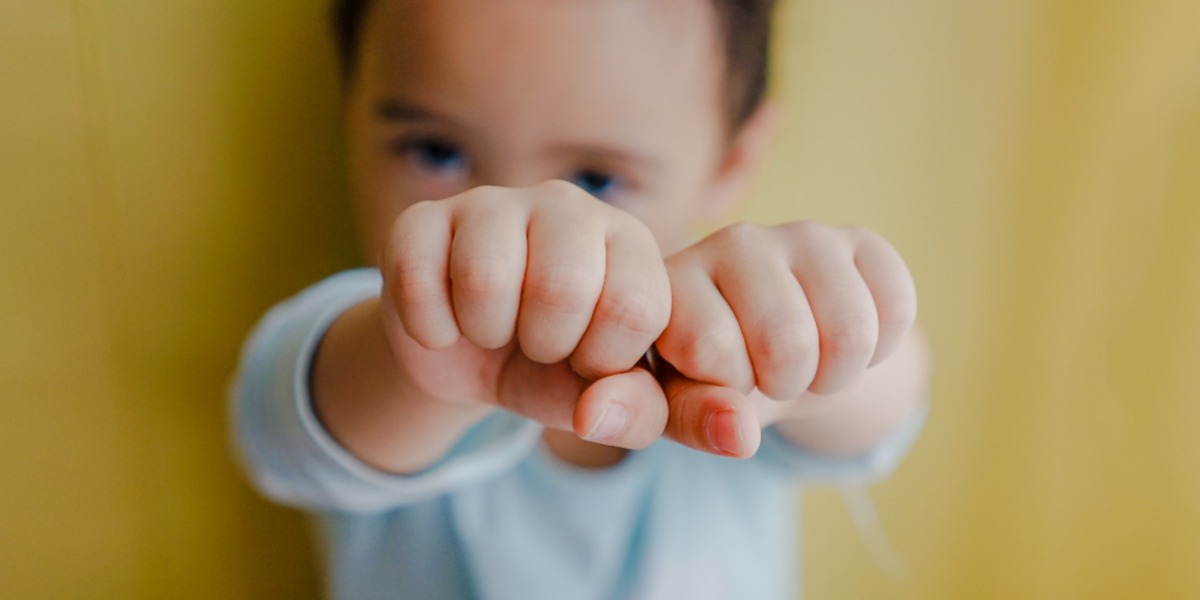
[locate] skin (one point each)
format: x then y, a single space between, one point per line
476 132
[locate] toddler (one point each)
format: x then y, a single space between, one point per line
480 414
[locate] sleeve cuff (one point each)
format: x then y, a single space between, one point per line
291 456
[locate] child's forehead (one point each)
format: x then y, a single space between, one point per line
577 59
616 30
622 12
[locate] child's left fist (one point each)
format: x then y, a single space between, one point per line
803 306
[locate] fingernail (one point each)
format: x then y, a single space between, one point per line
612 423
723 434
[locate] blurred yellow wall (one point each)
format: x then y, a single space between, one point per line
168 170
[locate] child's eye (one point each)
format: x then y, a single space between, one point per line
433 154
597 183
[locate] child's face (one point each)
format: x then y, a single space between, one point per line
622 97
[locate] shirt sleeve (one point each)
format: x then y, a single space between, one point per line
290 457
778 454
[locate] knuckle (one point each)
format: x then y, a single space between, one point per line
625 229
805 228
415 285
740 235
564 287
637 312
491 199
420 210
414 219
897 316
784 362
541 349
481 279
782 347
590 366
809 236
864 234
484 199
849 336
870 244
708 356
560 187
482 193
557 192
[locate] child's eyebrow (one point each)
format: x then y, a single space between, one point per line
390 109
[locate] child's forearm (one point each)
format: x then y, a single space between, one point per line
365 402
858 417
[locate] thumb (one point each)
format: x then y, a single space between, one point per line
706 417
627 410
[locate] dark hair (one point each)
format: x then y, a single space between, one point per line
745 31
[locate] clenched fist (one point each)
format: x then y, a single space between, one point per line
521 298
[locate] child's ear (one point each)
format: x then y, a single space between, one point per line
744 155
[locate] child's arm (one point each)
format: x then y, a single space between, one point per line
820 318
547 283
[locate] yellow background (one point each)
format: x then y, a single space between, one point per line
168 170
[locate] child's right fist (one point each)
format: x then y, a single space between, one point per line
550 267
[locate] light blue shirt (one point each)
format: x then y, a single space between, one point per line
500 517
